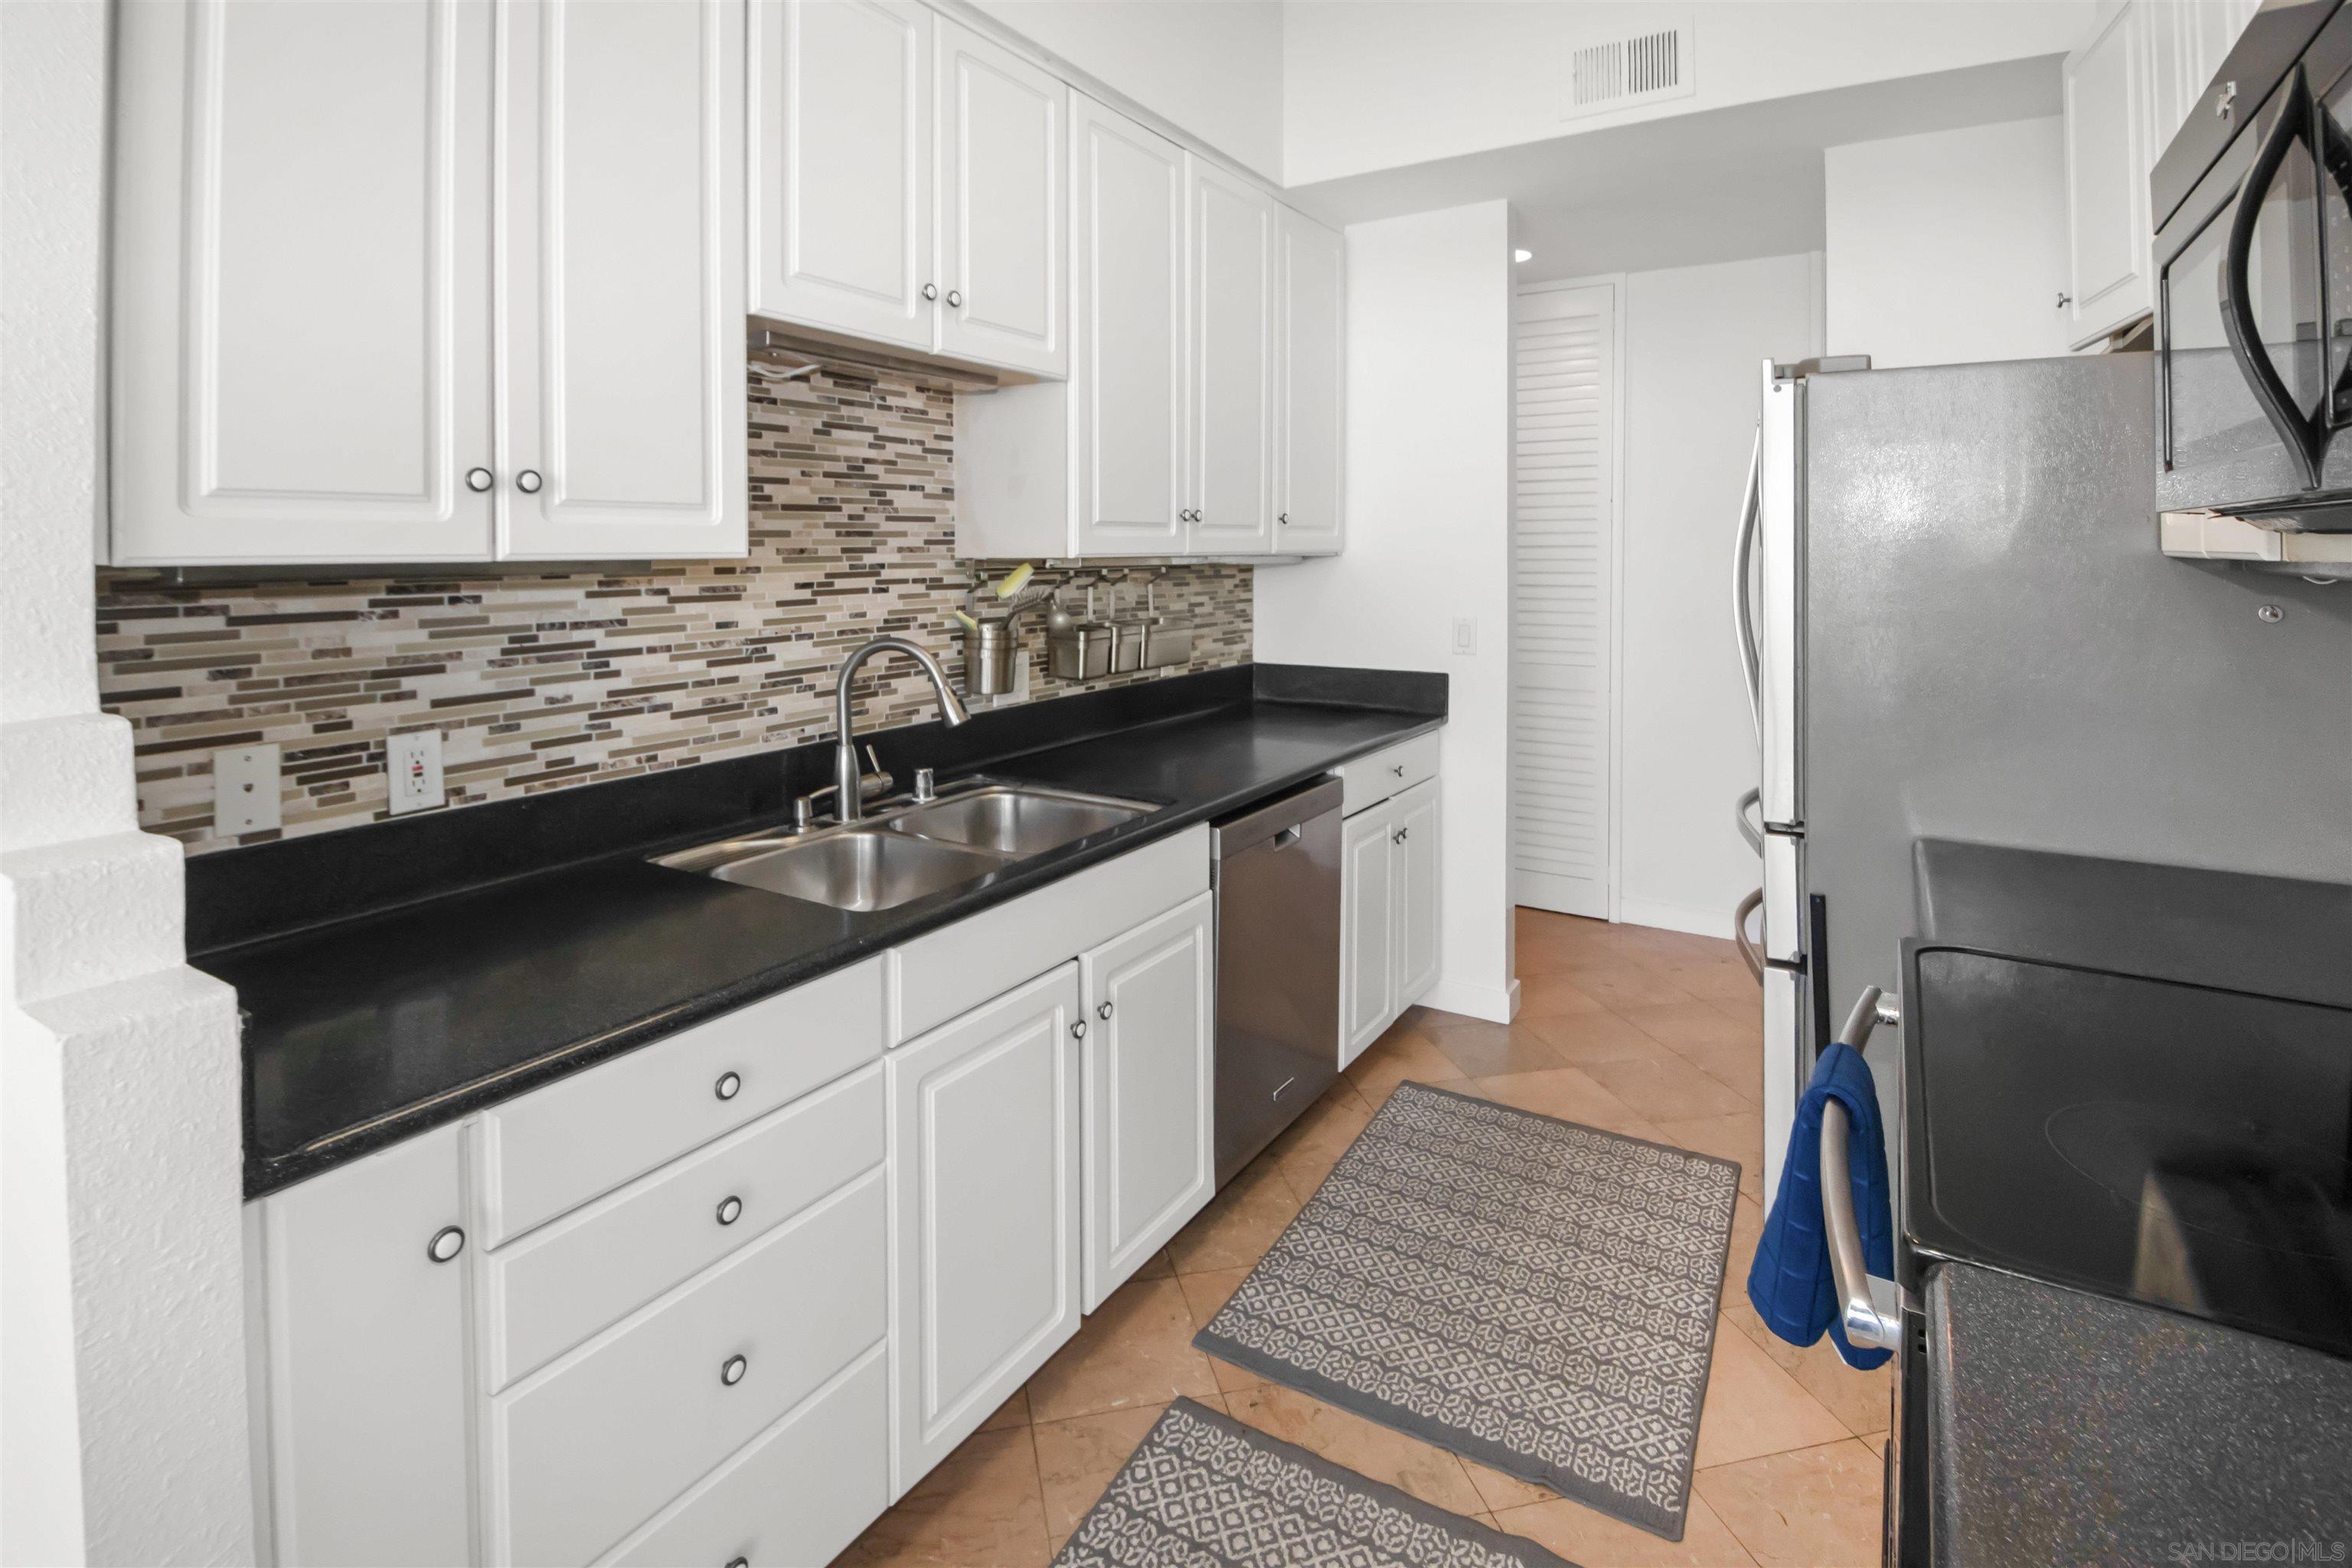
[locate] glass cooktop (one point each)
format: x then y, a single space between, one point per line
2169 1144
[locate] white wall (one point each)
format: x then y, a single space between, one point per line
1695 339
1378 83
1428 540
1950 246
123 1431
1213 66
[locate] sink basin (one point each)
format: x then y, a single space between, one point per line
1006 819
910 851
862 870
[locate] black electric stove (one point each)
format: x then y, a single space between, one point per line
2134 1079
2131 1079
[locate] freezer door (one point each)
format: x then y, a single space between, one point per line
1779 605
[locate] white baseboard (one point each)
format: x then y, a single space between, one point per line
1495 1003
1675 917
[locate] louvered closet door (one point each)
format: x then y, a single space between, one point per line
1564 388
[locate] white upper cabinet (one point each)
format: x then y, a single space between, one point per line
310 285
841 166
1003 137
1127 219
907 182
2106 179
1310 455
622 387
301 311
1230 391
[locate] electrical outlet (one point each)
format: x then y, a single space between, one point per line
1465 634
412 760
245 790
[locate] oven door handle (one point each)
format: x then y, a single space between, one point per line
1870 1310
2305 439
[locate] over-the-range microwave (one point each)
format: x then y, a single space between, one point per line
2253 203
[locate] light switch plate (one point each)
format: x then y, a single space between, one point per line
1465 634
411 763
245 790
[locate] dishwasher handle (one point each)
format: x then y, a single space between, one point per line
1278 823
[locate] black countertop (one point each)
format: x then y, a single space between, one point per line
2067 1427
379 1024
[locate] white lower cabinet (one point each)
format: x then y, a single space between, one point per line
358 1285
1147 1075
727 1296
985 1209
1389 946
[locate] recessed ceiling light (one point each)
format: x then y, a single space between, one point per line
1523 255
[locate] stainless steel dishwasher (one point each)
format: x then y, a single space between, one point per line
1277 880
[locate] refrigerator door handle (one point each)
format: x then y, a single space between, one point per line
1749 953
1751 830
1743 606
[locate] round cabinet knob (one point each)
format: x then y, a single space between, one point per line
730 1209
931 290
955 297
732 1371
729 1086
446 1243
527 481
1078 1030
1103 1011
479 479
739 1563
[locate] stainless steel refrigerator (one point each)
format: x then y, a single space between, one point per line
1961 625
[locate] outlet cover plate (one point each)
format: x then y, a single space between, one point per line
412 765
245 790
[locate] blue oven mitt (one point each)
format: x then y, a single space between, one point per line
1791 1284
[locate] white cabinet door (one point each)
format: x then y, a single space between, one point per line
840 166
301 313
1126 215
365 1344
1148 1054
1230 388
1412 880
1309 447
1367 930
1003 206
622 411
2106 179
985 1167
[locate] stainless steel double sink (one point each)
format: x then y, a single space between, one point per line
905 852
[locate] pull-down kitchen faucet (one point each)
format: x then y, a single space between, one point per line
848 799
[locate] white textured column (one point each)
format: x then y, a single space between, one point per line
123 1403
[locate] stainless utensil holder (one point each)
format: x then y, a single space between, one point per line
1080 653
1171 642
1126 644
991 649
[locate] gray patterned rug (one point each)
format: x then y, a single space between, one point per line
1537 1296
1205 1489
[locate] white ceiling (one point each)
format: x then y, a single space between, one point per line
1718 185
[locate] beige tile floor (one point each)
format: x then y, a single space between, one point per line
1644 1032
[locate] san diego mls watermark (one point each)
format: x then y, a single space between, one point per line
2256 1549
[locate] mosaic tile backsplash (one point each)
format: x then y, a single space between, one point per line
540 681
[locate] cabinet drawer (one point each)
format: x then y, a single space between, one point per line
557 1147
587 1449
1369 780
954 969
563 1282
798 1493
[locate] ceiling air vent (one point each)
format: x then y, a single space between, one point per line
1633 67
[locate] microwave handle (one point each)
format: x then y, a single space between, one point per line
2306 438
2336 160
